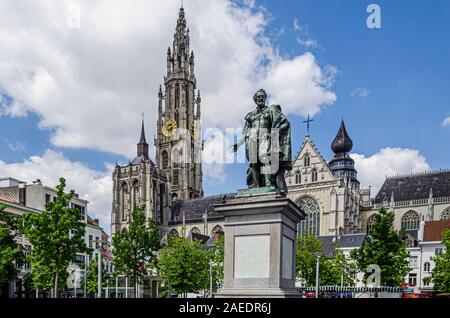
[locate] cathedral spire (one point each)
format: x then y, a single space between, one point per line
142 146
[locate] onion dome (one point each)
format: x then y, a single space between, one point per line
342 144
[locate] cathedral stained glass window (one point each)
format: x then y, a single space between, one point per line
311 223
410 221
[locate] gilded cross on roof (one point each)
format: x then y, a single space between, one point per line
308 121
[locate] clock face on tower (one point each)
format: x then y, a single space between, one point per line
169 127
194 130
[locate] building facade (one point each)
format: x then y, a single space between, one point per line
20 197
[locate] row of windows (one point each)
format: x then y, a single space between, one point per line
196 230
298 176
410 220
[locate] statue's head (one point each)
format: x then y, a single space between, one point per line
260 97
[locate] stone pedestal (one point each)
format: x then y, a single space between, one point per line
260 244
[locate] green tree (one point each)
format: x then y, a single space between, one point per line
338 269
440 277
184 265
217 259
307 247
135 248
11 253
57 235
92 276
385 247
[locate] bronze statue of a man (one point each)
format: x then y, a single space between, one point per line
267 138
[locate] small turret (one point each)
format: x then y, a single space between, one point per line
342 165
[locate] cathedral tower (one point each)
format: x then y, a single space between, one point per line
177 142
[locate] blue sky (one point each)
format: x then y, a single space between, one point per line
392 84
404 65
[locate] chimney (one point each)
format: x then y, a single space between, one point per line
22 194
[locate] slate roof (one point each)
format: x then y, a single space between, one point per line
138 159
200 237
346 241
195 208
414 187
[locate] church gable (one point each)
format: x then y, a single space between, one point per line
309 166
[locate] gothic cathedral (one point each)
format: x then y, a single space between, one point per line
177 174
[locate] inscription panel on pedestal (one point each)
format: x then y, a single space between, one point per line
251 256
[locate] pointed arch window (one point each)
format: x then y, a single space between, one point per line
445 215
216 229
177 96
370 223
135 193
307 160
298 177
314 175
125 201
311 223
165 160
195 230
410 221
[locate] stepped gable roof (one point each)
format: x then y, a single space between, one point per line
195 208
415 186
433 230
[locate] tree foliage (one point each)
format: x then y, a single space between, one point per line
135 248
11 253
386 248
330 269
57 235
92 276
217 258
440 277
184 265
307 247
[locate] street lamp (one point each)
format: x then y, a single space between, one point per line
101 248
317 255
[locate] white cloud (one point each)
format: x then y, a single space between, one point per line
300 85
360 92
373 170
296 25
89 85
308 43
446 122
91 185
15 146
